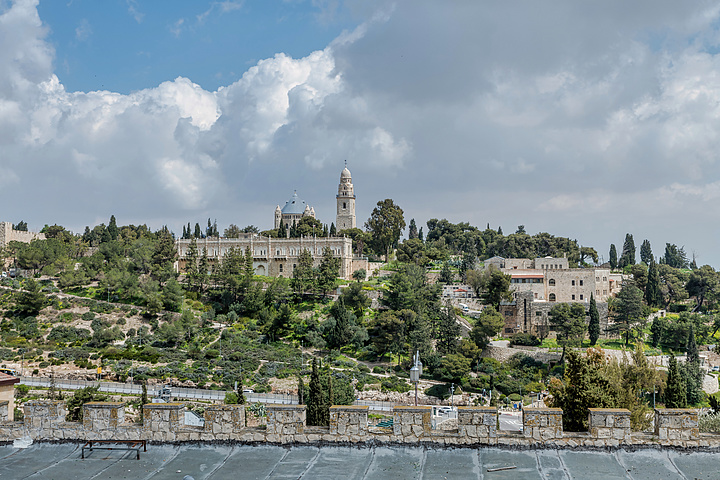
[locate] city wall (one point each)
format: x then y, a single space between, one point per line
286 424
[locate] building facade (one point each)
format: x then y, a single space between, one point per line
275 257
278 257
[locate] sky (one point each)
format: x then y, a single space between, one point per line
582 119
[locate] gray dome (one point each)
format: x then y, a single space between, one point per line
294 205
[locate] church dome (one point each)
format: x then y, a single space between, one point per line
345 173
294 206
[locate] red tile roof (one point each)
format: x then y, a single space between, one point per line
6 379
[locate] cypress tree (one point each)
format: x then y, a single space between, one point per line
691 348
420 235
675 392
594 325
628 252
333 231
301 390
653 294
314 400
613 257
112 228
646 252
693 373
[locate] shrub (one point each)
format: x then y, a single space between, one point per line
231 398
394 384
709 422
80 398
524 339
21 390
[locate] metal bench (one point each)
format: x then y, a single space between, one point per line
115 445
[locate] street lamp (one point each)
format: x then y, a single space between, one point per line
415 373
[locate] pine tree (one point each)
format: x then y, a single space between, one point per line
594 325
448 331
613 257
646 255
315 398
675 392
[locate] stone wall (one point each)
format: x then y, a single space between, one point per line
610 423
542 424
8 234
349 420
478 424
286 424
673 425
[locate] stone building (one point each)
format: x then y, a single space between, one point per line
345 202
9 234
7 393
540 284
292 212
277 257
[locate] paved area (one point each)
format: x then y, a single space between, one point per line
62 461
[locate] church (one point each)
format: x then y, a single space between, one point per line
277 257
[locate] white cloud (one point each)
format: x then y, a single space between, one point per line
582 124
83 31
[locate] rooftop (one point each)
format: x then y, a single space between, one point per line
62 461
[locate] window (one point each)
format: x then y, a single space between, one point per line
604 279
552 297
581 283
581 297
551 282
538 314
573 283
573 297
344 207
281 266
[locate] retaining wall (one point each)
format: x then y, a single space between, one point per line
286 424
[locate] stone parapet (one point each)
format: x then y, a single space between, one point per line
286 419
349 420
542 424
478 424
286 424
411 423
224 420
610 423
161 421
677 426
103 415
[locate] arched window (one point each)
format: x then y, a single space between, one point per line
344 206
552 297
551 282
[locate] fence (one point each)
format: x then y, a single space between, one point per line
154 390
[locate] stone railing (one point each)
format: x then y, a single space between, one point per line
286 424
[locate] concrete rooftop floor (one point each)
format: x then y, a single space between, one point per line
62 461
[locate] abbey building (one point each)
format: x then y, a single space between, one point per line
277 257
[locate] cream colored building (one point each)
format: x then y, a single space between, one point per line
278 257
9 234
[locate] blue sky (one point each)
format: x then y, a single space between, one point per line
580 119
126 45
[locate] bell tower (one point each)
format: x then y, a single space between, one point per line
345 202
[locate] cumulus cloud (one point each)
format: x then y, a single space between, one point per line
566 118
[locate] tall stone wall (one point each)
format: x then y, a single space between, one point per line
286 424
8 234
